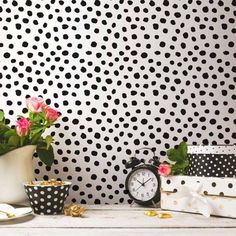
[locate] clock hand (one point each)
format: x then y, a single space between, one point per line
142 184
139 187
147 181
139 182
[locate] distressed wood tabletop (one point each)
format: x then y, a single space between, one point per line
119 220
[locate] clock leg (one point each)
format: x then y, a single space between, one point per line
132 203
154 204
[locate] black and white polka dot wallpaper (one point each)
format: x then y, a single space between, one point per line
125 74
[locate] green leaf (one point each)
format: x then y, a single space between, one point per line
46 155
10 133
1 116
179 157
178 154
4 148
174 155
183 149
171 153
31 115
48 140
35 126
182 165
3 129
14 140
38 118
35 138
179 168
36 130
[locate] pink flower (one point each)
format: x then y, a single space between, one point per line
51 114
35 104
164 170
22 127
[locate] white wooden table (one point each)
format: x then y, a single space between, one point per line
119 220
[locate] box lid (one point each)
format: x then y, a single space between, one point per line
209 185
212 149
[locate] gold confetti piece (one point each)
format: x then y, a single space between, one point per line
50 182
163 215
160 215
150 213
74 210
8 214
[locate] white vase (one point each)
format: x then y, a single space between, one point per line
15 169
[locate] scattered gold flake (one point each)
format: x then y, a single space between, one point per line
74 210
164 215
8 214
50 182
175 202
160 215
150 213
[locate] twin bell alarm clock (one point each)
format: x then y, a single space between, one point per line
143 182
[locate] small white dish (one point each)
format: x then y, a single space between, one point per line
18 212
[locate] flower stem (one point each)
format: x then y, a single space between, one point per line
21 141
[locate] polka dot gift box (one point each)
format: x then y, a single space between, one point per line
47 199
212 161
204 195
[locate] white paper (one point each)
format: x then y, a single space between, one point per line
221 206
210 185
16 211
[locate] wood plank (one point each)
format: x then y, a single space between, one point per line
120 218
117 232
118 207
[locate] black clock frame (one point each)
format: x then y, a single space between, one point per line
156 197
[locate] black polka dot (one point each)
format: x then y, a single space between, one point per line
123 75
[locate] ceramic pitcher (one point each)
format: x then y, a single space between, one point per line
15 168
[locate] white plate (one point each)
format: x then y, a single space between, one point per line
17 211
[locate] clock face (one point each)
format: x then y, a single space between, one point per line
143 184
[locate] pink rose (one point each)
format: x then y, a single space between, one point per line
164 170
35 104
22 127
51 114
